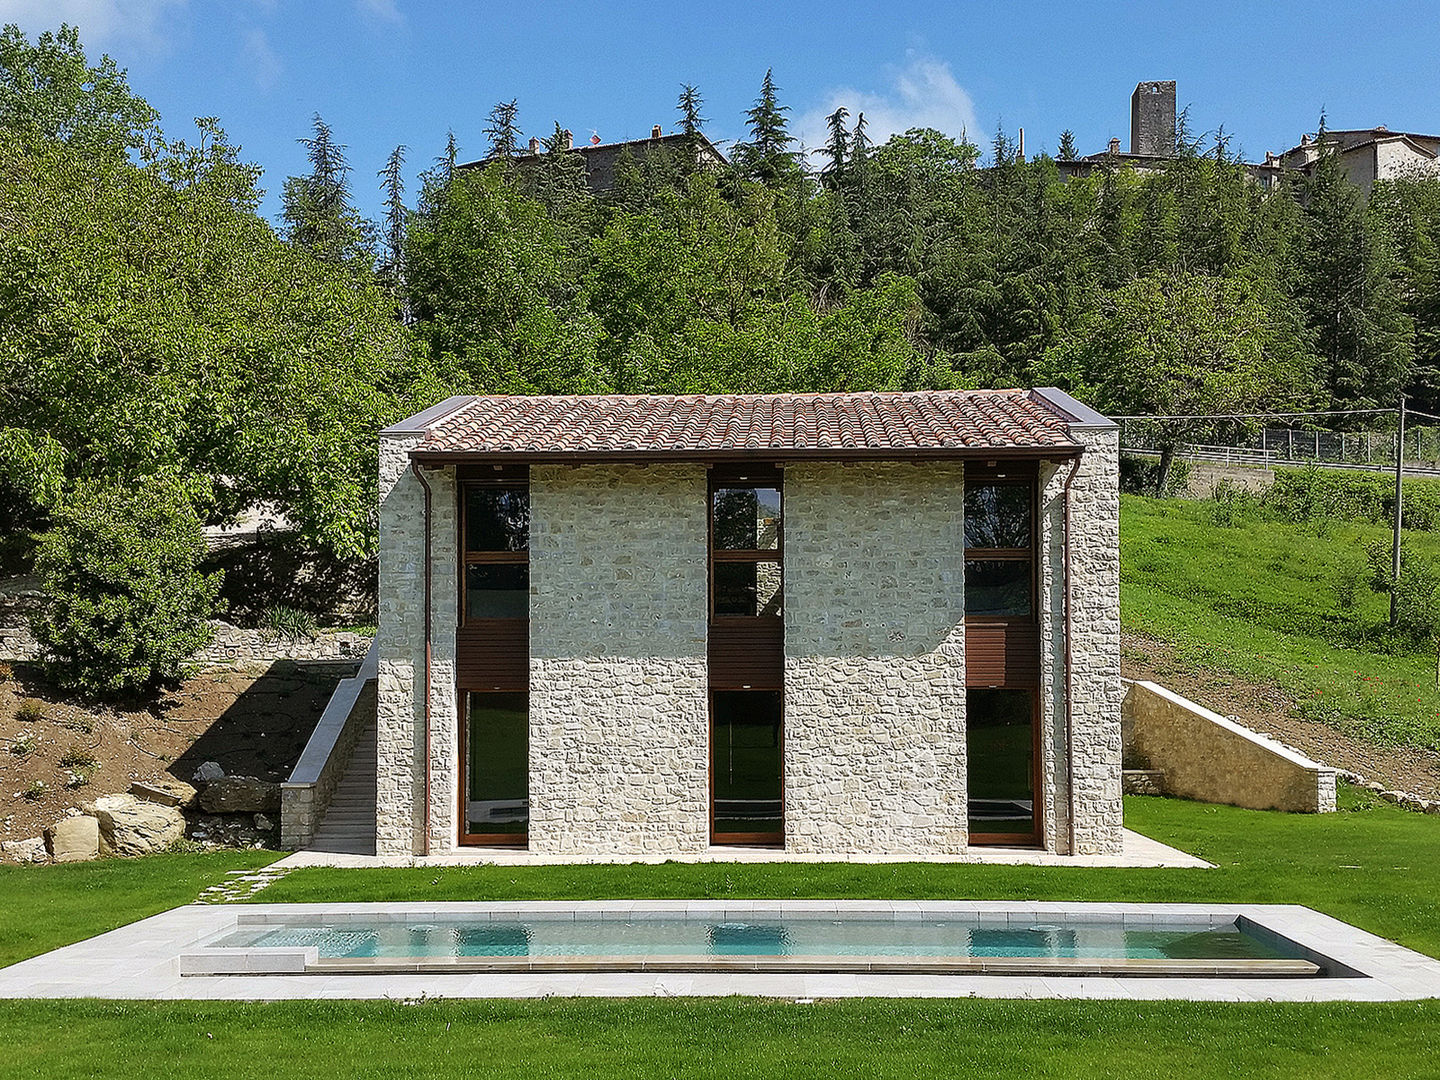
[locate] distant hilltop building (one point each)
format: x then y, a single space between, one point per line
1365 155
600 158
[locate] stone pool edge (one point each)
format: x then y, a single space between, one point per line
142 960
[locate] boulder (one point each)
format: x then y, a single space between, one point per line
74 839
263 823
240 795
209 772
167 791
132 826
24 851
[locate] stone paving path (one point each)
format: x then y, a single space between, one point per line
240 885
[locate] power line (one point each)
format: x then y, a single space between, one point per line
1270 415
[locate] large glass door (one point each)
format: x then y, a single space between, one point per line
1000 748
495 799
746 767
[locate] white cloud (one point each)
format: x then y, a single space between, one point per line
922 94
260 58
381 10
101 22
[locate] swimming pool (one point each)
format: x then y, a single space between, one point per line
758 937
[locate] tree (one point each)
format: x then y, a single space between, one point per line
316 209
692 126
125 602
837 146
767 158
503 131
1184 345
392 178
1067 151
50 90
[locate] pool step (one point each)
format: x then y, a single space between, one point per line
348 827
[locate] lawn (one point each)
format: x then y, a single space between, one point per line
1370 864
44 907
1284 602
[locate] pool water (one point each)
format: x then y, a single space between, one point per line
770 936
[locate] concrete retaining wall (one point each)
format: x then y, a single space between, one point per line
1208 757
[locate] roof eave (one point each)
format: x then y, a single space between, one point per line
1056 452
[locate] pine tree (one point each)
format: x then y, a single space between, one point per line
692 125
837 147
392 184
503 130
316 209
1067 151
860 145
767 157
446 161
558 179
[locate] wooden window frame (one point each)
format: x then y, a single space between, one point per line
1036 837
507 478
735 478
469 839
1029 479
755 839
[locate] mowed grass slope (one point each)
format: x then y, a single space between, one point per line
1284 602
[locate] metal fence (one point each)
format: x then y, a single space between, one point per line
1271 446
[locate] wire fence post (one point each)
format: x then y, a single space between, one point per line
1399 499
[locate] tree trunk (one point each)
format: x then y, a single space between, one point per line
1162 473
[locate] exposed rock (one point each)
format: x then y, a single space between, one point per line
131 826
1390 796
263 823
240 795
209 772
1433 807
73 839
1413 802
25 851
166 791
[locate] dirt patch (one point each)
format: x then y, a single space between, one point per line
1271 711
56 752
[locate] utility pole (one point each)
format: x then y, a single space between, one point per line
1399 497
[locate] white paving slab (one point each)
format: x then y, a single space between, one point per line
142 960
1138 851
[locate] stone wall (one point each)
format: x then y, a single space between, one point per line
1208 757
1095 644
874 659
619 728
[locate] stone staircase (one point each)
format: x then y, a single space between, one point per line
349 824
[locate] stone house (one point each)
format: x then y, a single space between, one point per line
878 623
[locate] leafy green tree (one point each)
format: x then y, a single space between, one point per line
50 90
316 209
125 603
1184 345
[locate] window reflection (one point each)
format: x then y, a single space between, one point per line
497 591
747 519
497 518
997 587
997 516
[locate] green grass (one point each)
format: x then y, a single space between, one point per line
1262 857
45 907
1262 599
638 1038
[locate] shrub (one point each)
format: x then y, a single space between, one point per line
126 602
30 711
35 790
23 744
7 671
1230 504
1138 475
288 622
83 724
77 757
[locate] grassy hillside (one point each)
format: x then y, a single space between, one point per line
1283 600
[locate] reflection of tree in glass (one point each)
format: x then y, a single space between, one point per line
736 518
498 519
997 516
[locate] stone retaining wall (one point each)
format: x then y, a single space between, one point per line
1208 757
233 647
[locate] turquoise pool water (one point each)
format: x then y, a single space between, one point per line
767 936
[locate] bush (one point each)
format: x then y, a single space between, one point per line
288 622
30 711
1138 475
1311 493
126 604
1231 505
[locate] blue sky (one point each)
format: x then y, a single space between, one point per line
383 72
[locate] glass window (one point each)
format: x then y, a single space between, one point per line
746 764
997 587
999 746
497 591
747 518
747 588
997 516
497 518
497 765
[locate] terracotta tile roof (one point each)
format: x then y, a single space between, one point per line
870 424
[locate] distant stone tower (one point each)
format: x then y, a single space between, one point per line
1152 119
